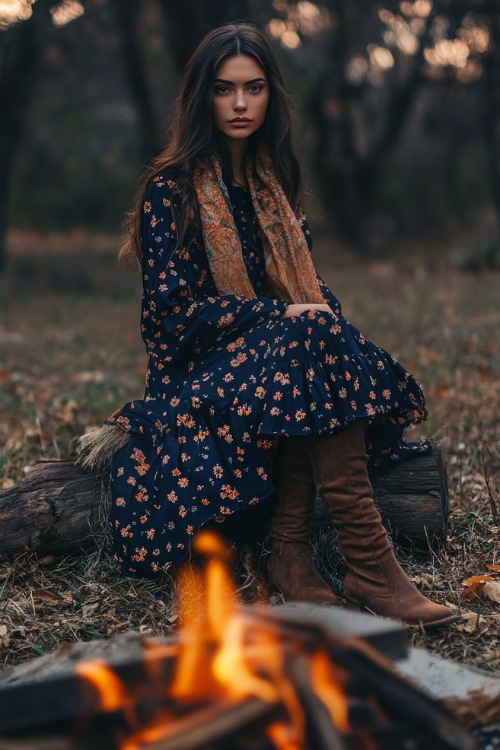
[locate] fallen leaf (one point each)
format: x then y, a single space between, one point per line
424 580
48 560
68 413
88 609
42 594
89 376
33 435
470 622
474 586
491 589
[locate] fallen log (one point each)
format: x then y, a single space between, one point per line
60 506
57 507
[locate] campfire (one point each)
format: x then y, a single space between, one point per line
244 678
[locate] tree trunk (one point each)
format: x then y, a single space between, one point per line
348 176
127 21
491 113
60 506
20 57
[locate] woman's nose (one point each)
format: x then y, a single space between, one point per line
240 101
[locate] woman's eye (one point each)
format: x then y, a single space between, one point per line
221 89
255 88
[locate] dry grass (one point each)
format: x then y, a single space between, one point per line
70 353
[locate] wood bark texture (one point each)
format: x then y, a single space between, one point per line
60 506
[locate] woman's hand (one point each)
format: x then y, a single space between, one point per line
293 310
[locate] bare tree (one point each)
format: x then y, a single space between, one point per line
20 52
127 15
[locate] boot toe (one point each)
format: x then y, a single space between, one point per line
436 616
407 604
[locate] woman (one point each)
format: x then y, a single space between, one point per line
247 345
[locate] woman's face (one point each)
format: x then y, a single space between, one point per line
240 97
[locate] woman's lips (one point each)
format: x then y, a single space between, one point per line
239 123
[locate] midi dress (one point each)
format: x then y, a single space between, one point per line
227 377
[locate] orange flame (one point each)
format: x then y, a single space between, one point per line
223 652
327 681
110 688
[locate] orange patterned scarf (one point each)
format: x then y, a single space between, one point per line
286 254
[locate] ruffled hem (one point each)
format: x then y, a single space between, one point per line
303 394
168 481
206 452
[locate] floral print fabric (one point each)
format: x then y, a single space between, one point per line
227 376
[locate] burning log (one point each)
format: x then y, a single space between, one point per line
23 705
237 679
378 704
60 506
320 730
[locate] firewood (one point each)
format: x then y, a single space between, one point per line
388 637
44 743
60 506
217 724
378 676
321 733
30 709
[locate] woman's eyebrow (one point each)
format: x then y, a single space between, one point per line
231 83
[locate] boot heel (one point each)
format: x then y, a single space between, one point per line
359 607
354 606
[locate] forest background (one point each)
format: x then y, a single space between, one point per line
398 126
398 107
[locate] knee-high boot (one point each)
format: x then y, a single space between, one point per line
290 566
375 580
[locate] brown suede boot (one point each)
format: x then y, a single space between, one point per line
290 566
375 580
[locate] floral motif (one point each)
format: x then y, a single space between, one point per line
227 376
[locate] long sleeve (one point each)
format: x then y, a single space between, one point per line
181 309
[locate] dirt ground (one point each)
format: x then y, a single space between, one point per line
70 354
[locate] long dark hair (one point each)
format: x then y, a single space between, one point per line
194 133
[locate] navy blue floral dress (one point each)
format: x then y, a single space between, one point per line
227 376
